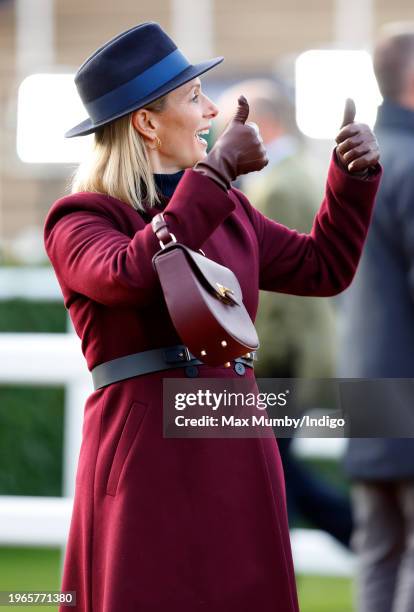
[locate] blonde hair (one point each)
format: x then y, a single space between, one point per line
118 163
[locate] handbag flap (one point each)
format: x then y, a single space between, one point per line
218 279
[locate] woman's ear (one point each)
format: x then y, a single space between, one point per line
144 124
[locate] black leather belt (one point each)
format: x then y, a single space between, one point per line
155 360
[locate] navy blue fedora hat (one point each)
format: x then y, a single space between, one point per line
131 70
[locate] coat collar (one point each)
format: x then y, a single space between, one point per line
392 115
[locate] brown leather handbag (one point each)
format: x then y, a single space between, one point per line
204 300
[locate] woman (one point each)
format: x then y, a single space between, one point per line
179 524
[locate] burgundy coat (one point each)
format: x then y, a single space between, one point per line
183 525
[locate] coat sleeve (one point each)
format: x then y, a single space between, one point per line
91 256
323 262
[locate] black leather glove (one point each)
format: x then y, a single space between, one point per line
239 150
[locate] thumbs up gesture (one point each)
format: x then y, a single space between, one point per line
357 148
239 150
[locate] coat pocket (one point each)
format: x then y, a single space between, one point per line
129 433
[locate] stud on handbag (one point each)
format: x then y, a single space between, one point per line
204 300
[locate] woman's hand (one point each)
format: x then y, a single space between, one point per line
357 148
239 150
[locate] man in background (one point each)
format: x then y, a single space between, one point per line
378 342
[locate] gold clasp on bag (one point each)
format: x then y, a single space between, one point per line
224 293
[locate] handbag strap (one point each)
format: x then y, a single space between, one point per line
160 229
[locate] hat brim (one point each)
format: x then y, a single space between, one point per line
88 126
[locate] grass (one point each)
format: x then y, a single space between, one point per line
38 569
324 594
29 569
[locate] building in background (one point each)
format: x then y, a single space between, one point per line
57 35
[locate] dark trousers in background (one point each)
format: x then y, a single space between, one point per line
384 543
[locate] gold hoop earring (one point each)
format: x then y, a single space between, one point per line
155 146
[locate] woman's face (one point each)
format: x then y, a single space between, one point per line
187 112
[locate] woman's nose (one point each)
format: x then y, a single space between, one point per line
211 109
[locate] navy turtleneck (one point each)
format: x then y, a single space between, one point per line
167 183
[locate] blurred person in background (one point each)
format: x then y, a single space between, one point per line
300 334
378 342
183 525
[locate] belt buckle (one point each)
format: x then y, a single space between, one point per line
177 354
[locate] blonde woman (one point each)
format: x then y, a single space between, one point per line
183 525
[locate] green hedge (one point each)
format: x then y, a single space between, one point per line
31 418
24 316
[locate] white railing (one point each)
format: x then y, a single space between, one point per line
29 284
51 359
34 521
56 359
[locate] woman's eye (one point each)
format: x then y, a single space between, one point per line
195 97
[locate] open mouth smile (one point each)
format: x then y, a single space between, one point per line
198 136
